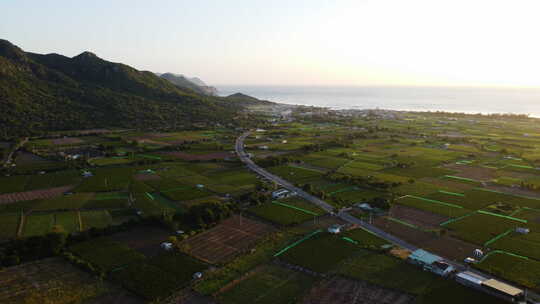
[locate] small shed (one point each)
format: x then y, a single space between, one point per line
166 245
468 278
197 275
502 288
334 229
523 230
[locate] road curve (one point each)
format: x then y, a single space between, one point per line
313 199
341 214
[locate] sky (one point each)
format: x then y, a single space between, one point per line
294 42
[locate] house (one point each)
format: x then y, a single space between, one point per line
430 262
282 193
334 229
364 206
200 186
166 245
263 147
440 268
197 275
87 174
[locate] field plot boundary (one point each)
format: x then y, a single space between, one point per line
503 252
434 201
498 237
503 216
305 238
295 208
457 218
504 193
462 179
452 193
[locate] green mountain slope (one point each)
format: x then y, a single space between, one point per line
53 92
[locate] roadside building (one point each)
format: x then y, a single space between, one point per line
430 262
503 290
470 279
334 229
281 193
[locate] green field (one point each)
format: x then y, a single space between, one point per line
331 250
8 225
379 268
268 285
522 271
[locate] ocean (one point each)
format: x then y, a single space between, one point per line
449 99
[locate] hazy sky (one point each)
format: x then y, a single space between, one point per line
295 42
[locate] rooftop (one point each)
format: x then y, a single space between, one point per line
424 256
502 287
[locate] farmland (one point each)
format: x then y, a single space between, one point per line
128 193
269 284
224 241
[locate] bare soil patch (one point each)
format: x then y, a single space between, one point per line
207 156
514 190
67 141
146 240
230 237
418 217
476 173
145 177
445 246
33 195
343 291
448 184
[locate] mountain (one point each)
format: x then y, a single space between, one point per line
194 84
247 100
53 92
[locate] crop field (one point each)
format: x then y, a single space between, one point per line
67 221
434 206
8 225
377 268
37 224
364 238
159 276
449 292
106 179
420 171
98 219
339 290
324 162
145 240
331 250
73 201
224 241
480 228
267 285
48 281
296 174
446 246
520 270
33 195
417 216
281 214
105 254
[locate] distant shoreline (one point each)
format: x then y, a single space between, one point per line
468 100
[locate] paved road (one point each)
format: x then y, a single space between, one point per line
313 199
342 214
